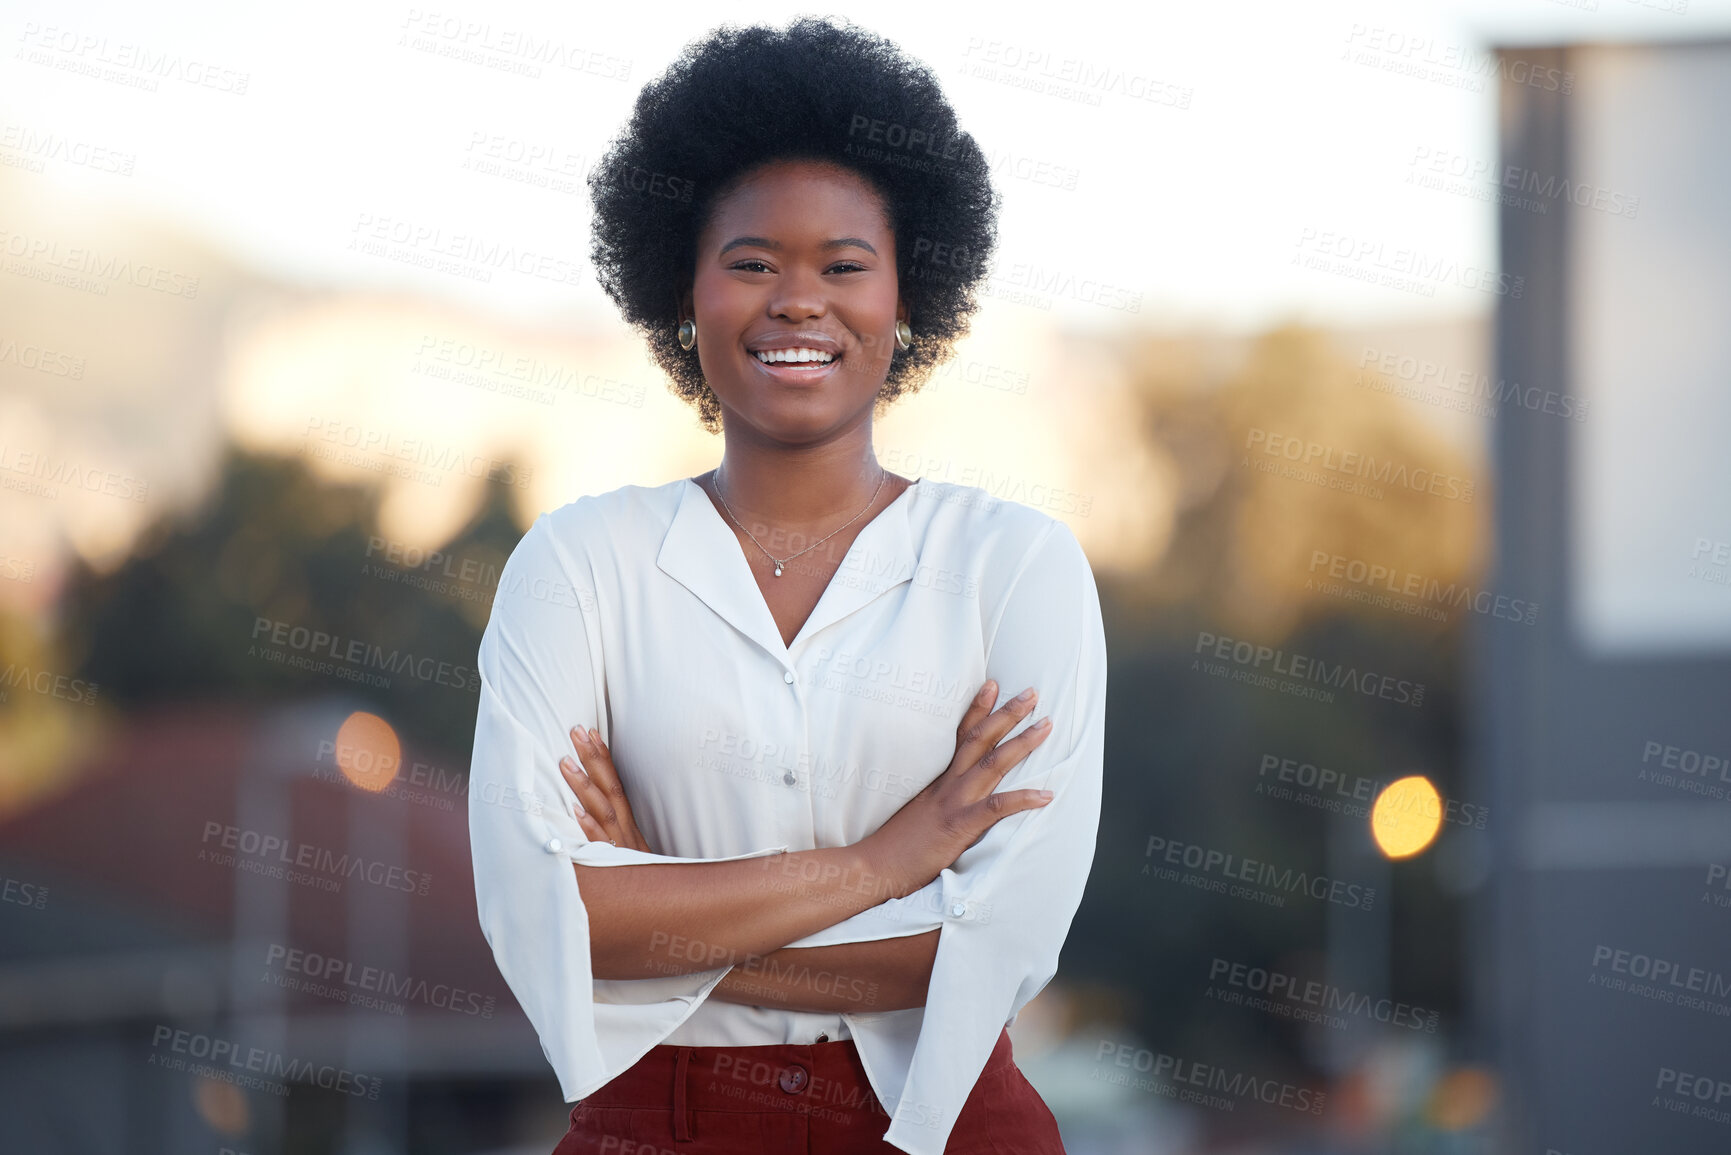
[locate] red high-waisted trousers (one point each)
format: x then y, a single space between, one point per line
790 1099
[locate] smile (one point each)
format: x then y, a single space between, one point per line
793 356
802 366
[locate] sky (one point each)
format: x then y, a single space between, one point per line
1177 167
1205 154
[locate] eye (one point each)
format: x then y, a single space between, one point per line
847 267
761 267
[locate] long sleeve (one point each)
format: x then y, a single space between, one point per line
911 914
542 673
1008 901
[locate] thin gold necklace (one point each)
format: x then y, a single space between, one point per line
779 562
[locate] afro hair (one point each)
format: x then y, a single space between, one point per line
743 97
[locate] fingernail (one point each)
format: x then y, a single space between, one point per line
568 764
577 733
1046 794
985 694
1026 695
1043 724
594 734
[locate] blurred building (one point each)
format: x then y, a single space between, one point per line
1603 976
217 909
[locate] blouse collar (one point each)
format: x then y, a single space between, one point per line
701 553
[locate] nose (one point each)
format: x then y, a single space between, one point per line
798 295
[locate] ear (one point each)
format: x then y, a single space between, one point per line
687 309
902 311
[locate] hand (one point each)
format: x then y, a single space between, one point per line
957 807
602 809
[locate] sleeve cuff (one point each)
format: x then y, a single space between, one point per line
606 854
911 914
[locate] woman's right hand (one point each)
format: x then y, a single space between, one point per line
957 807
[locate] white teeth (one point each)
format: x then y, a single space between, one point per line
771 356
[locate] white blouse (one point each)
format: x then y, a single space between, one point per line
636 612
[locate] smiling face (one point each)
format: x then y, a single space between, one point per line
799 256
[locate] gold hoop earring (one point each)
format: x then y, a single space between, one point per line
687 334
904 336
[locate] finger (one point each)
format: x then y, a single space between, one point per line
590 797
574 778
989 731
605 790
996 807
1006 756
978 709
598 763
595 832
591 828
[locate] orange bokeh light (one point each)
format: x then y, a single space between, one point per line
368 752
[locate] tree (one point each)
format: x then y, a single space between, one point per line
279 566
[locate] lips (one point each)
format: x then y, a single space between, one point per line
797 357
797 372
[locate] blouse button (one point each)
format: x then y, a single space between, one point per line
793 1079
788 677
789 778
959 909
553 846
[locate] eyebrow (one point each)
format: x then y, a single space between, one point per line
766 243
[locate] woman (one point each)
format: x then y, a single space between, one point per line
757 849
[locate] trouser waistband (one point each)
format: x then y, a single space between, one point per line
792 1077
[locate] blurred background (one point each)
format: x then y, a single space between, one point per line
1376 354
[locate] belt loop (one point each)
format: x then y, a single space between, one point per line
681 1121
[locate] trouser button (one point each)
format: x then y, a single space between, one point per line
793 1079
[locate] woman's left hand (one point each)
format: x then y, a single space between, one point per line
603 811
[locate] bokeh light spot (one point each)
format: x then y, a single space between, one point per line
368 752
1462 1099
222 1106
1406 817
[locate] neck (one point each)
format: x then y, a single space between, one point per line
793 486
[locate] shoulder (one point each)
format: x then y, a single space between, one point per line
627 505
995 539
566 554
1038 595
610 522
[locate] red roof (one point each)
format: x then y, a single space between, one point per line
151 818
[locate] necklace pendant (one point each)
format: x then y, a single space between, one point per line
778 569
